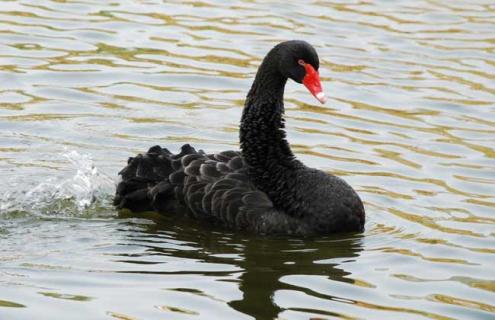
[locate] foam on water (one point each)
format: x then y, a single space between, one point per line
85 191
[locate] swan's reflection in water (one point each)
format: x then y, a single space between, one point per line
260 262
267 261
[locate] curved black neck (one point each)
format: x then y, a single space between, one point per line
262 136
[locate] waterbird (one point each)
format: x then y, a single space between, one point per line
263 188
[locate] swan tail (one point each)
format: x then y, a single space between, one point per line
149 180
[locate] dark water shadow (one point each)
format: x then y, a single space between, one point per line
263 260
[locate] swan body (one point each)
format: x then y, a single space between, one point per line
263 188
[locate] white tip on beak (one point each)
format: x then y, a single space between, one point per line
321 97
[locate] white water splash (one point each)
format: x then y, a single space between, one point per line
87 191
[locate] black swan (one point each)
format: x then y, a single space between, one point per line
263 188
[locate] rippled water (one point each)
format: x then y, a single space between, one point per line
410 124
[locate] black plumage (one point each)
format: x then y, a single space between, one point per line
263 188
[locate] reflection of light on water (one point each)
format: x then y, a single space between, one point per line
84 192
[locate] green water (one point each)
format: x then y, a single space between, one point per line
410 123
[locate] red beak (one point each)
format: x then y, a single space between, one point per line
312 82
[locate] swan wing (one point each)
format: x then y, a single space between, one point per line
213 187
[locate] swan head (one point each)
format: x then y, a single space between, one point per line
299 61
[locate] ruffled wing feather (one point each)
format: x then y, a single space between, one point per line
212 187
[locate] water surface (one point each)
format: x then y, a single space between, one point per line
410 123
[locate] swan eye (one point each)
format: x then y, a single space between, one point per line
301 62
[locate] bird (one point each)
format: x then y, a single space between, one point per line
261 188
